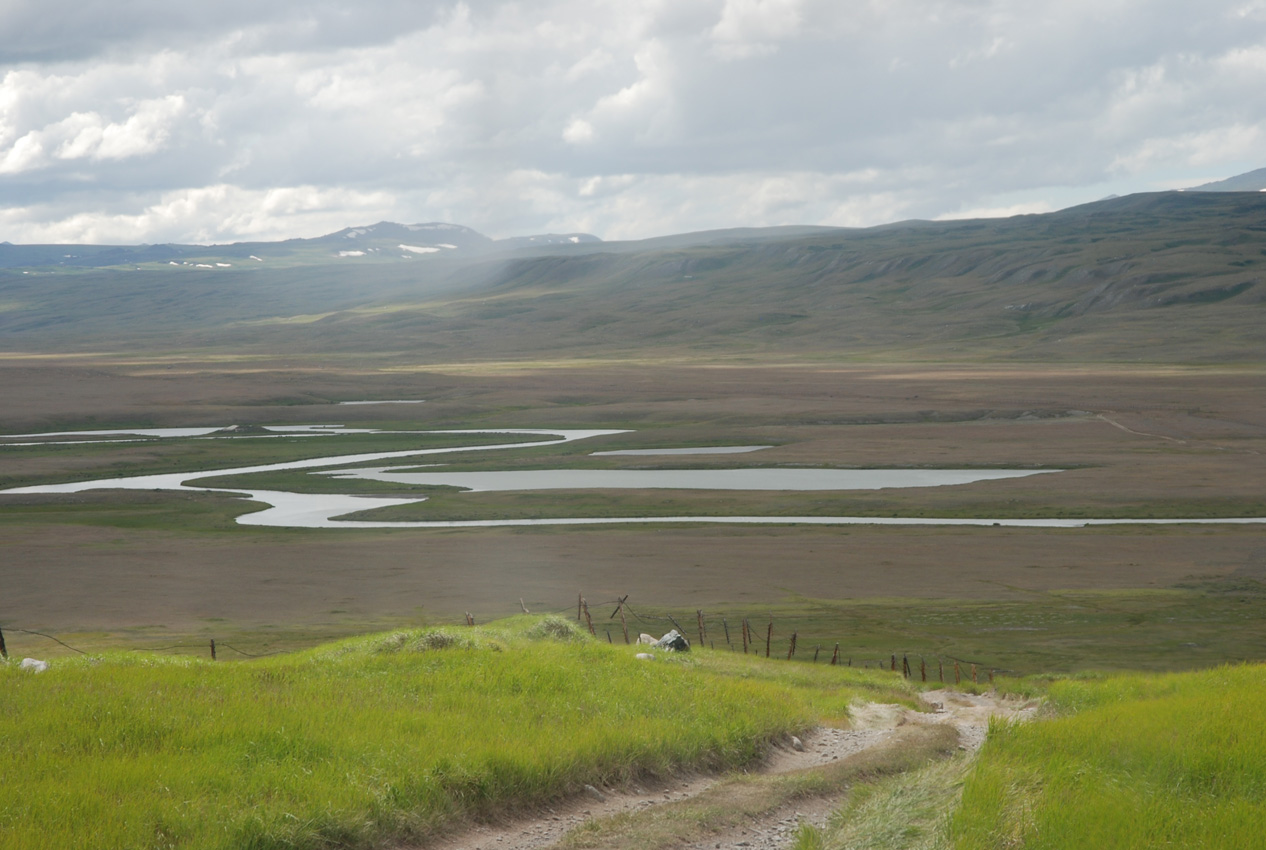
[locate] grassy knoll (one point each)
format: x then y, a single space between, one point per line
388 737
1143 761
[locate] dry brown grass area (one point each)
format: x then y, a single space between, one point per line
73 577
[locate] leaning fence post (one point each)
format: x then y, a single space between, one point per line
726 626
792 650
769 635
589 620
835 656
816 650
212 649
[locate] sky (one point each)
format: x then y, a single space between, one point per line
151 121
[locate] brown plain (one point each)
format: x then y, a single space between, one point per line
1170 437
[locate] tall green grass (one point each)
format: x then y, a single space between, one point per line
390 737
1146 761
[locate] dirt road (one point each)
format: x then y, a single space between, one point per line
872 724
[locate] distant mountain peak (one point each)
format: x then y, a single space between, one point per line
391 230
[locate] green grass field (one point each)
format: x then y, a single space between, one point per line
389 737
1136 762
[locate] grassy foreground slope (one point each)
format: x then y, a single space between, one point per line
1142 761
386 737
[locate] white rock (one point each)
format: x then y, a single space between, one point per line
646 656
34 664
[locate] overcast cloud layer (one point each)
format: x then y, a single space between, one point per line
153 121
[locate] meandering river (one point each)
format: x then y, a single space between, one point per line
310 510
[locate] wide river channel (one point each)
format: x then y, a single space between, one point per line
311 510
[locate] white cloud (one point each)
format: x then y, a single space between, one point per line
578 132
219 213
755 27
26 153
240 120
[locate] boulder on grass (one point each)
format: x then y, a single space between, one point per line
673 642
645 638
34 664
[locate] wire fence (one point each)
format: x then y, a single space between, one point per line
735 632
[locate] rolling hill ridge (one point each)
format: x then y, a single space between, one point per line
1159 277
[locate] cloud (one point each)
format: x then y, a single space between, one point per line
218 213
148 120
754 27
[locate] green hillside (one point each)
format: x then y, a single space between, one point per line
1173 277
382 739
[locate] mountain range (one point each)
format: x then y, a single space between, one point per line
1162 277
385 241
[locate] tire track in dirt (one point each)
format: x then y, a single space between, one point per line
871 725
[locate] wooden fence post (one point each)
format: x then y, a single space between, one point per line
956 676
4 650
816 650
923 669
905 666
973 674
726 626
892 663
580 603
940 669
744 625
212 649
699 617
589 620
624 625
769 635
792 650
835 656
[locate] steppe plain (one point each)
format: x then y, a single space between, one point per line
1163 441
